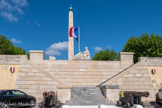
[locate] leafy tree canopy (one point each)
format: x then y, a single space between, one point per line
144 46
105 55
7 47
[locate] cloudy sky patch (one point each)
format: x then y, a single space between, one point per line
98 48
12 9
56 48
15 41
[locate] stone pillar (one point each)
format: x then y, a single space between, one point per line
64 94
112 93
36 56
71 39
126 58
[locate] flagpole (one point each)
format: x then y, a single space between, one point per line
79 38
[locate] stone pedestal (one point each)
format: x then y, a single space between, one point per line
126 58
36 56
64 94
112 93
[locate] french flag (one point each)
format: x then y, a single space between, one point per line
153 71
12 69
73 32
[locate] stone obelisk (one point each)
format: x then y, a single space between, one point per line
71 39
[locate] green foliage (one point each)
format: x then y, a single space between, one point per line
28 55
105 55
144 46
7 47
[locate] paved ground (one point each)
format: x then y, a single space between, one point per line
111 106
101 106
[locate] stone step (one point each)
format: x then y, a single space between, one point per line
87 96
53 69
85 73
76 67
84 84
89 69
84 76
89 103
82 80
31 74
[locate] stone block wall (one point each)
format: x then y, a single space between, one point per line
8 78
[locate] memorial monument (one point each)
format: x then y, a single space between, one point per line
71 39
81 55
78 74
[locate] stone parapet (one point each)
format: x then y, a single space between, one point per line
12 59
150 61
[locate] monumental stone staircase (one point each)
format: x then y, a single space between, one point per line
82 73
87 96
83 76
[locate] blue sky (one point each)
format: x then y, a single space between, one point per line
43 24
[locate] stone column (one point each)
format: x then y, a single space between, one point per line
36 56
126 58
71 39
112 93
64 94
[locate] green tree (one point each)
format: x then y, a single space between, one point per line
7 47
105 55
144 46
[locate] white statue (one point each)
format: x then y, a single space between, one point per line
83 56
86 53
78 56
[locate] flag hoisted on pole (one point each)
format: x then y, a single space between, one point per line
75 32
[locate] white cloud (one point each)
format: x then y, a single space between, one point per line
56 48
11 9
9 16
15 41
98 48
21 2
